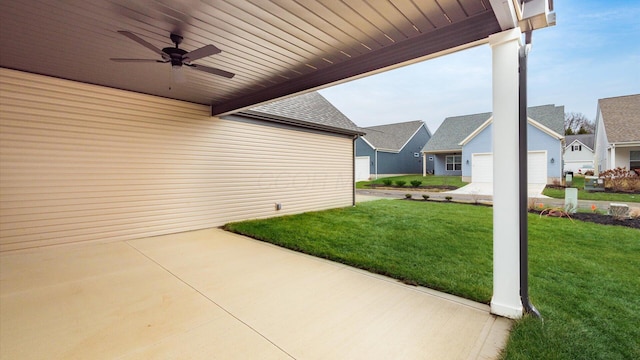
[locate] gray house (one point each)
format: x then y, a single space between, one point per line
393 149
462 146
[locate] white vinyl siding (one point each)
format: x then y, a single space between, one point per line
87 163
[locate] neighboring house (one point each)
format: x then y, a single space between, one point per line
393 149
618 133
578 152
462 145
82 162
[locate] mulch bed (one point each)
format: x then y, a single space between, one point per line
431 188
602 219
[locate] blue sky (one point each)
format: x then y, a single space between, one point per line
593 52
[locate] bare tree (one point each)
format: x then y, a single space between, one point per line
578 123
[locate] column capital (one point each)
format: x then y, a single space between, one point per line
505 36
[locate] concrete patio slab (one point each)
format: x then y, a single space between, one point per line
486 189
211 294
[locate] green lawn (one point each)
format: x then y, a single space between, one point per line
584 278
426 180
578 182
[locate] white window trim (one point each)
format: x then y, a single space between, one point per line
453 163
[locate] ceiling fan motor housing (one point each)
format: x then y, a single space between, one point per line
175 55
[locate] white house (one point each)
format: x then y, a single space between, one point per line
618 133
578 152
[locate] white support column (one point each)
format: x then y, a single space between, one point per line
506 222
612 162
424 164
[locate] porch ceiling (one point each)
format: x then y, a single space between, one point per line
275 48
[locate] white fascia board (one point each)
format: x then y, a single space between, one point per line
529 120
388 151
581 143
448 151
505 13
367 142
545 129
625 144
411 137
476 131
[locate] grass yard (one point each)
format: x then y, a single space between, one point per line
584 278
578 182
434 180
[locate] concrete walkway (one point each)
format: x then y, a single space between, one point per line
376 194
211 294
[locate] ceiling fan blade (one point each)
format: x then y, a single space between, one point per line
142 42
200 53
213 71
136 60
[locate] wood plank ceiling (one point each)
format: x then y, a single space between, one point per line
275 48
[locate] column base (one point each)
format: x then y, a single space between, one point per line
508 311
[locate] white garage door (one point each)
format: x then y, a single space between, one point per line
482 167
362 168
537 167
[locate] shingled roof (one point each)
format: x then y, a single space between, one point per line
587 139
621 118
392 137
457 128
310 110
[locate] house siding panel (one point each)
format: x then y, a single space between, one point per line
536 140
539 140
85 163
363 149
404 162
481 143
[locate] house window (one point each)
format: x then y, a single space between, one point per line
454 162
634 160
576 147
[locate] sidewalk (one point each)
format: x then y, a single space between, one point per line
375 194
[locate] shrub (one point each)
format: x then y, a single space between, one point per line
387 182
400 183
621 179
416 183
425 196
448 198
407 196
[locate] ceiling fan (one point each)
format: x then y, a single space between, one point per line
177 57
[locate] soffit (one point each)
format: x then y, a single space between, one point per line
276 48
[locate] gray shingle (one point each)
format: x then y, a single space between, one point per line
455 129
391 136
307 109
586 139
621 117
550 116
